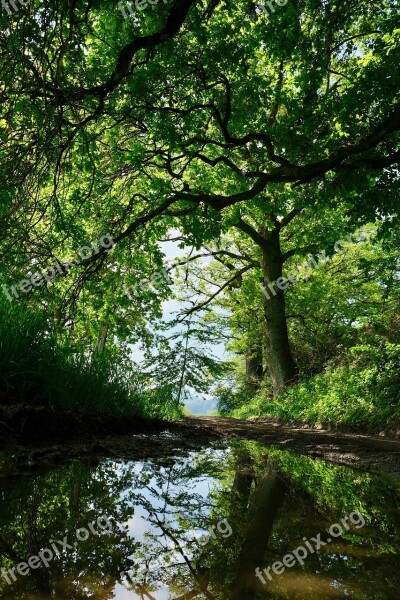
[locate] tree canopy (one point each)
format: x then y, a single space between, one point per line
257 137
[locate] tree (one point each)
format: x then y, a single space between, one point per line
199 119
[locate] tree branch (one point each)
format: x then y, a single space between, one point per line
202 305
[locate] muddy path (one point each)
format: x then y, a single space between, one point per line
40 438
373 453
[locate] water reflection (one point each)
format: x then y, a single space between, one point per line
198 527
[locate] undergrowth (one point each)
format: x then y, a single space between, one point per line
37 368
362 391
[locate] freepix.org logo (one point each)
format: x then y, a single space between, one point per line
11 6
271 8
46 275
301 552
57 547
133 7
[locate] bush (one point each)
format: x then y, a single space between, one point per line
37 368
364 391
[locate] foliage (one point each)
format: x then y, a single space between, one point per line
222 124
36 368
364 392
344 332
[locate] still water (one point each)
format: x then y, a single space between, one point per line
199 526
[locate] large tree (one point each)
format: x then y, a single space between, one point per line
197 116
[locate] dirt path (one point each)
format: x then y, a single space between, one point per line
374 453
39 437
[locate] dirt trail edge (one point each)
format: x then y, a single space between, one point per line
373 453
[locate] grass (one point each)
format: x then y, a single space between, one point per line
36 368
363 392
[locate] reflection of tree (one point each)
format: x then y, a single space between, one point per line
176 503
35 510
269 518
250 513
268 497
200 575
173 546
320 495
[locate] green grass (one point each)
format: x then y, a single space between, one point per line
36 368
363 392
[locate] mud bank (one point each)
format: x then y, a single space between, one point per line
373 453
40 436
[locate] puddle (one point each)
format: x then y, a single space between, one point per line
198 526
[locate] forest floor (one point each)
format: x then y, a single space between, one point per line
373 453
43 437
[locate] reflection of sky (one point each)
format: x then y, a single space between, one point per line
139 527
121 593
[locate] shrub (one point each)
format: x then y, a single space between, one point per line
363 391
38 368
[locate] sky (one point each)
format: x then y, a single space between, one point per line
197 405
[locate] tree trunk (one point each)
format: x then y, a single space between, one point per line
281 366
102 338
254 366
269 496
244 477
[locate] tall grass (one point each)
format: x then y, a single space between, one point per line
37 368
363 391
